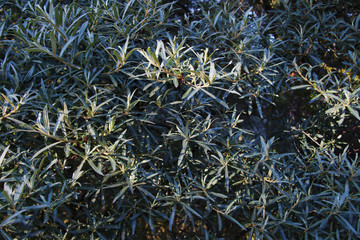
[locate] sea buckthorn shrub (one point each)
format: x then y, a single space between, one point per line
123 120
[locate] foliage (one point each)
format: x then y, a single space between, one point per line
121 121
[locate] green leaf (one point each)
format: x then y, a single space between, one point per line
234 221
187 207
121 193
175 82
354 112
346 224
172 217
67 44
259 107
186 93
53 42
12 219
223 103
2 157
44 149
183 151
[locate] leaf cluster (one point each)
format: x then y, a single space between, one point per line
120 120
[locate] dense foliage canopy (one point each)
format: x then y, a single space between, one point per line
128 120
